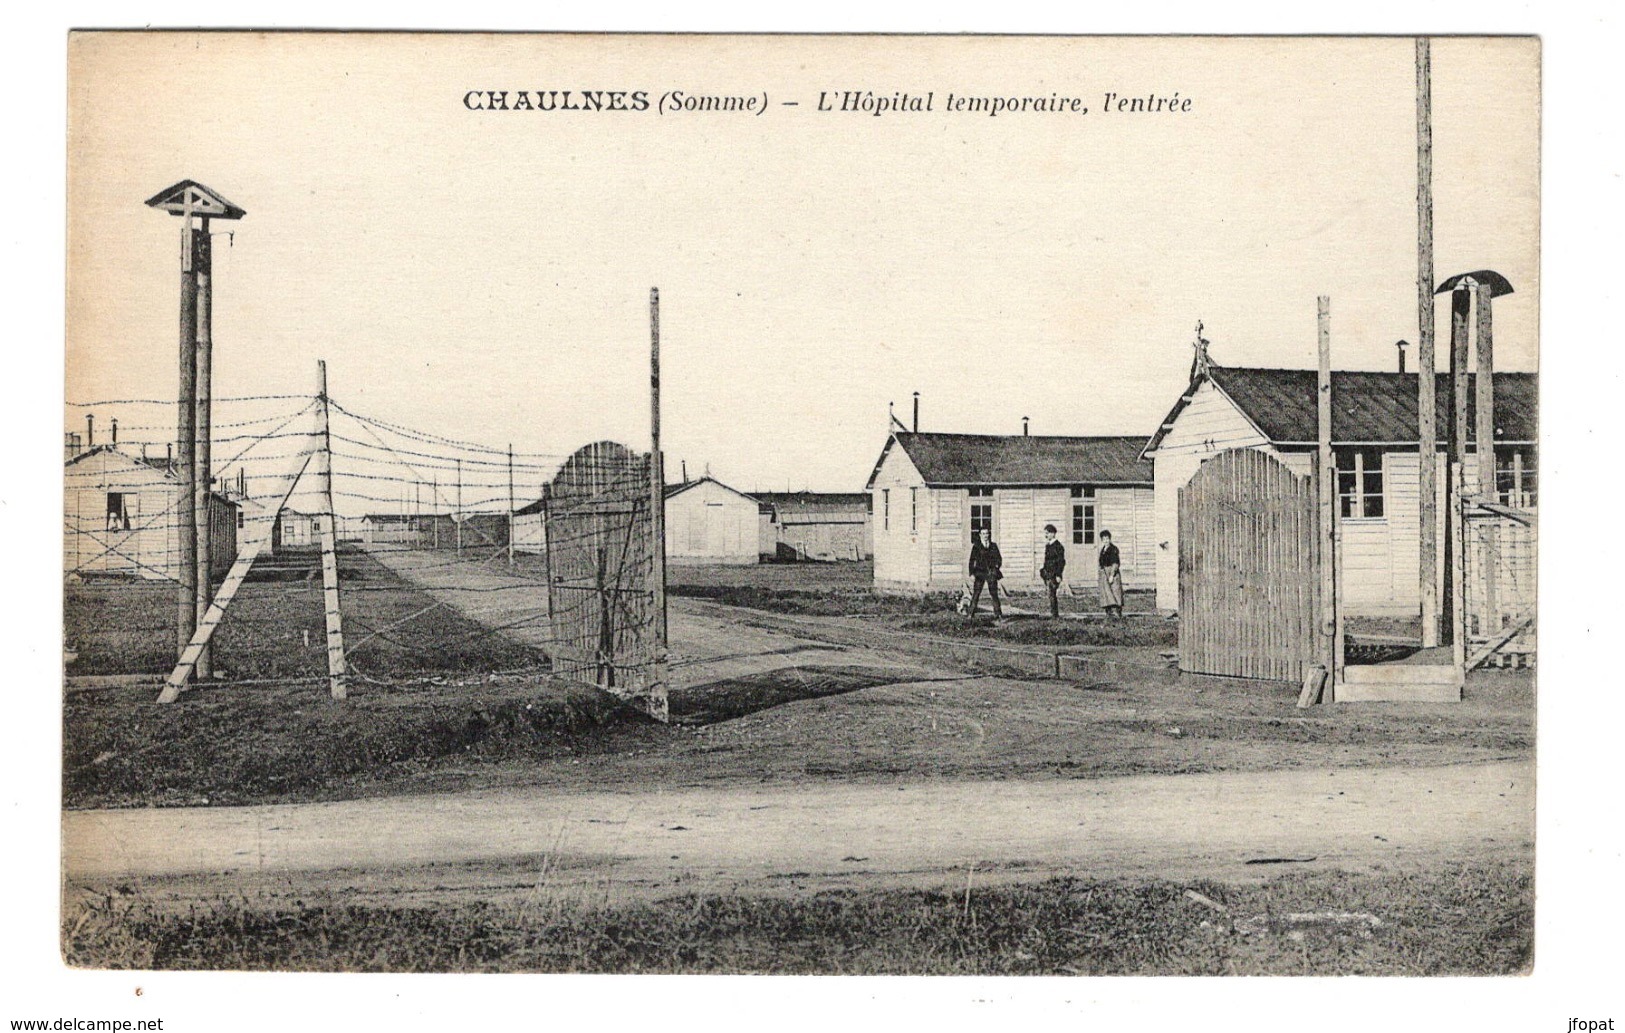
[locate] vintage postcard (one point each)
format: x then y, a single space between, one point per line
706 504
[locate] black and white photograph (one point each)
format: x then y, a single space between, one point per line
801 505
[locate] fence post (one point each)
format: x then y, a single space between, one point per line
336 672
1330 620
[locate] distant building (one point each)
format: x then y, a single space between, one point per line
931 492
1374 437
297 530
709 522
815 525
530 528
389 529
121 517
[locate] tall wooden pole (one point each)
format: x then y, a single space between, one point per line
336 672
1456 608
458 517
1426 409
434 507
1330 620
510 504
203 453
185 509
657 510
1484 449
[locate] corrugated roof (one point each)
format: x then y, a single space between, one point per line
1019 459
1367 407
772 500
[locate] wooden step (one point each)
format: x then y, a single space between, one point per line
1399 683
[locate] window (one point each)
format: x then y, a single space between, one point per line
118 513
1359 482
1515 481
1083 516
885 509
913 510
981 511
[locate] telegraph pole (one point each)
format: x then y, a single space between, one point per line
203 478
195 204
657 504
1427 450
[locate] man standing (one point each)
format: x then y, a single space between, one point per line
987 567
1111 577
1054 565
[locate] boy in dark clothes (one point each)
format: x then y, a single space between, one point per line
1054 565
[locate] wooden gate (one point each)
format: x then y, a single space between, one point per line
601 565
1247 569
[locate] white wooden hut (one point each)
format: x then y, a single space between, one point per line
709 522
121 518
1374 436
932 492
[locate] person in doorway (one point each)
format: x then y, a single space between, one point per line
1054 566
1111 577
986 567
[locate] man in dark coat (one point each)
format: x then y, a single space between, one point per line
987 567
1054 566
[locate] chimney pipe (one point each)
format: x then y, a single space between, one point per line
169 454
1402 345
916 412
685 471
115 430
90 431
1024 430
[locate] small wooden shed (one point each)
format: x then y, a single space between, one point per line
709 522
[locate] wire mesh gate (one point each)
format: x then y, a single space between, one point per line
601 565
1498 559
1248 595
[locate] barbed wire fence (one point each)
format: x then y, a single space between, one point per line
449 556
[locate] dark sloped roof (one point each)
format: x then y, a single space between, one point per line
1370 406
1367 407
771 500
991 459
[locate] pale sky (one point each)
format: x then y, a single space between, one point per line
485 276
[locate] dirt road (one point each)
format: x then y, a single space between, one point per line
658 842
704 648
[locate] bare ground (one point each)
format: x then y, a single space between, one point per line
658 842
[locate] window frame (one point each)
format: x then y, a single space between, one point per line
1356 473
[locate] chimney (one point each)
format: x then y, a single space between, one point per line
1402 345
90 430
115 430
916 412
685 471
1024 430
169 454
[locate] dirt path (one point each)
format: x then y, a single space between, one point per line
660 842
704 647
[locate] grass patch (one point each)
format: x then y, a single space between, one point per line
249 745
736 697
830 602
276 627
1468 918
1040 631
